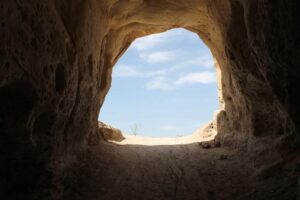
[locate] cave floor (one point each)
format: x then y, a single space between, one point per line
187 172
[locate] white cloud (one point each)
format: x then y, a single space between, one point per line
164 83
159 56
196 61
204 61
127 71
197 77
148 42
160 83
155 40
149 50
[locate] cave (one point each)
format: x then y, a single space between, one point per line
56 61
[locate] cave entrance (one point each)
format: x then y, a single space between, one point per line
164 90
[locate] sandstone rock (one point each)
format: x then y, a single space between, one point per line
269 170
56 60
298 184
110 133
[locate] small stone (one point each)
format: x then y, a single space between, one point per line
205 145
223 157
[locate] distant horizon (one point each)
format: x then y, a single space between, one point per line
163 86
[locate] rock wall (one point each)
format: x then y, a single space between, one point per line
108 133
56 60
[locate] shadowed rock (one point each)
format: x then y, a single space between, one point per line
56 60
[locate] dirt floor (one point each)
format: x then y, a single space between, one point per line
129 171
172 172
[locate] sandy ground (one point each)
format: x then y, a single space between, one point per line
141 168
203 134
151 169
167 172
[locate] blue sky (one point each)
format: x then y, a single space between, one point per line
164 85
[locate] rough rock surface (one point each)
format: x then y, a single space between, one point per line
56 59
110 133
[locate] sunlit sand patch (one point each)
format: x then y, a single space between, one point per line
206 133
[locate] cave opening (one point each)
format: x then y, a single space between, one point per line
56 62
173 88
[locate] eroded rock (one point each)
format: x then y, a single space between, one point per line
109 133
57 56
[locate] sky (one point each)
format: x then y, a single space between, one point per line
163 86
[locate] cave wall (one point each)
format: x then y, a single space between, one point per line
273 41
56 60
